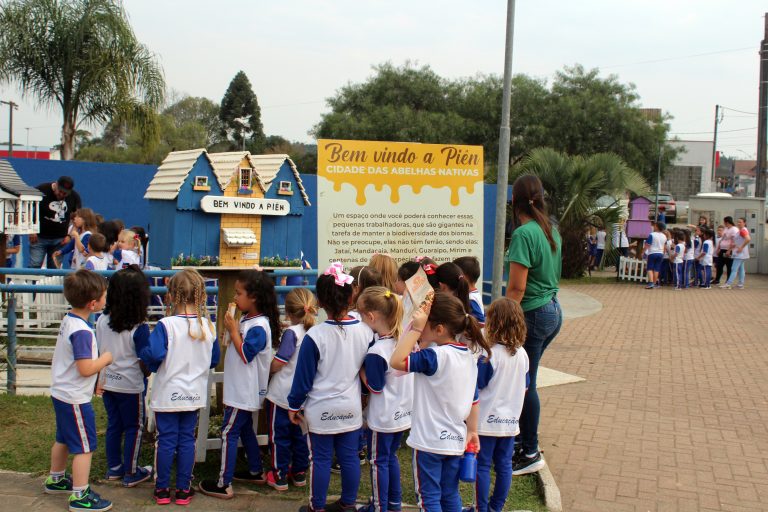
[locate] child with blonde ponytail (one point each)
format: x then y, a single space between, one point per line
181 350
288 446
391 396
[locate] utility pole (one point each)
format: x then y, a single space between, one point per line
714 144
11 107
502 178
762 116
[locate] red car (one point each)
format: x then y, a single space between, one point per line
666 205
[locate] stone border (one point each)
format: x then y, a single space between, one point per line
549 488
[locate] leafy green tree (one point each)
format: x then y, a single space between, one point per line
573 185
240 116
84 57
588 114
201 111
581 113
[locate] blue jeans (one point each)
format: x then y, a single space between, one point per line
737 267
45 247
543 325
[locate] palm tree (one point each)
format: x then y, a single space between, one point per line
83 56
573 185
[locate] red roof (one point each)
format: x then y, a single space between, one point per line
745 168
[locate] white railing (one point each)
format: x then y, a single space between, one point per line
631 269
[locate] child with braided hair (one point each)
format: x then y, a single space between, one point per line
181 351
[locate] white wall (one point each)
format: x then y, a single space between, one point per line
696 153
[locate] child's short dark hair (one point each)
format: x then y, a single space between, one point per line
98 242
83 286
470 266
407 270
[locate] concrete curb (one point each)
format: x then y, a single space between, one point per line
552 499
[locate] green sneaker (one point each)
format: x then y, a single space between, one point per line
90 501
62 486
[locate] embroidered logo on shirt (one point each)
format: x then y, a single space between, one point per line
175 397
449 436
399 415
506 421
329 416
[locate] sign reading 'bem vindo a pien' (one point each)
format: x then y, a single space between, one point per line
221 204
404 199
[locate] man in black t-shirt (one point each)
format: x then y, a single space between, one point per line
59 202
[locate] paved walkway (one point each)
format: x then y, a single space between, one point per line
673 415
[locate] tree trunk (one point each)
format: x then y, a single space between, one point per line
575 253
68 140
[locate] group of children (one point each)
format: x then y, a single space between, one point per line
451 376
681 257
98 245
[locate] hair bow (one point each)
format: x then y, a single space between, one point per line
430 268
336 269
418 259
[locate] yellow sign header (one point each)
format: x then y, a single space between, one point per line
398 164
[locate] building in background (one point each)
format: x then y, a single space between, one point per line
691 172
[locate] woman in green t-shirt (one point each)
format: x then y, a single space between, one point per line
534 260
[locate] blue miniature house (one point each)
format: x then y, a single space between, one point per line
178 225
281 235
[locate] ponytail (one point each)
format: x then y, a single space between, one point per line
378 299
528 198
448 311
451 275
301 304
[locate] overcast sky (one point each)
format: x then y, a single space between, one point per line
684 56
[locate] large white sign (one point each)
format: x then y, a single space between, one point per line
221 204
405 199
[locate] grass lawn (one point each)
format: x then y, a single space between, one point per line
28 426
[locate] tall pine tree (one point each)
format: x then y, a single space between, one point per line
241 116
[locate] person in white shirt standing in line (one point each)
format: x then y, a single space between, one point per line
600 245
740 254
655 245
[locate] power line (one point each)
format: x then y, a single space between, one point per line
679 58
719 131
740 111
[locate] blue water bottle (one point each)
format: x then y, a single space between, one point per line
468 468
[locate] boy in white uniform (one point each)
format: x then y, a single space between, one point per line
74 370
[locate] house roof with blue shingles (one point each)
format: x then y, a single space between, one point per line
267 166
11 183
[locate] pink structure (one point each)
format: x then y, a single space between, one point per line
638 225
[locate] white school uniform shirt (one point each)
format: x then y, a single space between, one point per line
181 381
128 257
689 253
696 246
679 253
708 248
245 383
78 258
391 399
601 239
331 395
97 262
656 241
476 304
76 340
502 380
124 375
667 249
280 385
442 397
